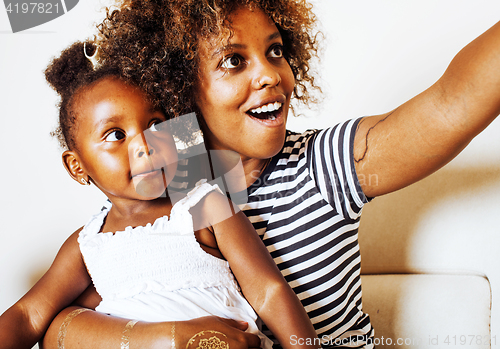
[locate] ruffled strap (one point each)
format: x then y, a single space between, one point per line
201 189
93 226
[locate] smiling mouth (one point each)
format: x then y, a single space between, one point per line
268 111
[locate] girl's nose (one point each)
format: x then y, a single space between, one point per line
139 147
146 151
266 75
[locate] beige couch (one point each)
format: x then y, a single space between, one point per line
431 263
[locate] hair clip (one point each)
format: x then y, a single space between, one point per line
94 59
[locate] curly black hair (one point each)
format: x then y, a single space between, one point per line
156 42
72 73
68 75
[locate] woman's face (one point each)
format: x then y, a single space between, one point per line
244 87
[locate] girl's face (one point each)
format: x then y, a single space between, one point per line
244 87
122 143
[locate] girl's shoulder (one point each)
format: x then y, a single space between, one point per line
208 205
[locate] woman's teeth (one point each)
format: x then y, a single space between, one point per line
267 108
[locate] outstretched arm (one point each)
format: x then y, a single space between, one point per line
23 324
425 133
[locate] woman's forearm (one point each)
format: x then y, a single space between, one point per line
472 82
422 135
93 330
287 319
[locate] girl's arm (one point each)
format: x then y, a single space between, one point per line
422 135
23 324
260 280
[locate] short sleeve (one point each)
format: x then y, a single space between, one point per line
331 162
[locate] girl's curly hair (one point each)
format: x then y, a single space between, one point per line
73 73
156 42
69 74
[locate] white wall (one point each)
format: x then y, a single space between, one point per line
40 204
378 54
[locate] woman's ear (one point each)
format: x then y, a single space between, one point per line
74 167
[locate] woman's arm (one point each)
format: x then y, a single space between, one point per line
425 133
23 324
92 330
260 280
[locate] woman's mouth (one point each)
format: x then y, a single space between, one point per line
268 111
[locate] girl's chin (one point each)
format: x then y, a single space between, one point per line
150 188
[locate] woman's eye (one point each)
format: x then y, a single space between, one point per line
276 51
231 62
158 126
115 136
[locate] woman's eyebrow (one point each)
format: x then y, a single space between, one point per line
273 36
229 47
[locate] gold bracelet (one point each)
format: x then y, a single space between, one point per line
213 342
172 344
64 326
126 334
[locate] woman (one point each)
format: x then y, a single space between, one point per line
398 148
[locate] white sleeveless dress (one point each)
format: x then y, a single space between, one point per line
159 272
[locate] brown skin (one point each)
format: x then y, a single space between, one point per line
114 120
236 78
400 148
111 148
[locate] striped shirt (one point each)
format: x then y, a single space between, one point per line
306 206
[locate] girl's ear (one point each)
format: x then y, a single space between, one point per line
74 167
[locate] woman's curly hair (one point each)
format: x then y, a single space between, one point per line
156 42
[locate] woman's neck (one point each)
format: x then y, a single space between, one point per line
253 168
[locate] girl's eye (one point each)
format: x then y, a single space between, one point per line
115 136
231 62
276 51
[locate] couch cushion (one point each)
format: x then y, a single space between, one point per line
428 311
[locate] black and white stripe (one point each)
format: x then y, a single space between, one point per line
306 207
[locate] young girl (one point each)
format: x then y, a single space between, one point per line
237 64
150 257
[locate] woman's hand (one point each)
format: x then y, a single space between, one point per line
94 330
236 338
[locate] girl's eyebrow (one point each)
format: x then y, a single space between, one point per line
104 122
230 47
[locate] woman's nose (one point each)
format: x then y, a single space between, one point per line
266 75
